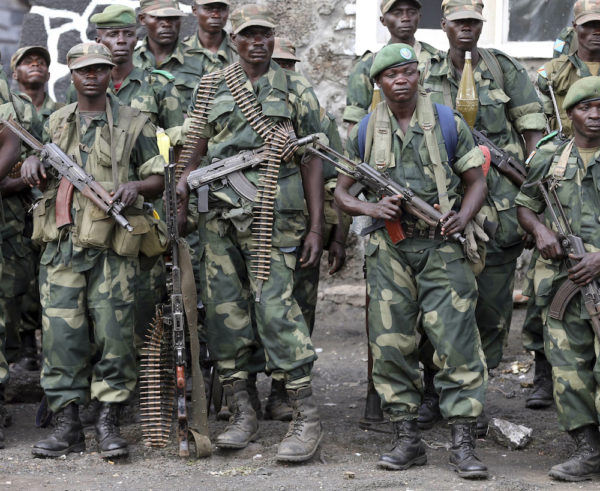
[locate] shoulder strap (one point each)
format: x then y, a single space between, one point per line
362 135
493 65
449 132
561 166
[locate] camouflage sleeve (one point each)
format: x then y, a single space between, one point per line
542 83
468 155
352 146
524 109
529 196
333 135
145 155
71 96
359 93
46 132
170 112
308 112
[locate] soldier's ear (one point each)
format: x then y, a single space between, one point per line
382 20
142 19
14 74
570 114
443 24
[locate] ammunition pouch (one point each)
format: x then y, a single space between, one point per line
44 218
155 242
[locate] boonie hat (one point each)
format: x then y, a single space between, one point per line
161 8
114 16
463 9
386 5
25 50
284 50
586 11
584 90
86 54
251 15
393 55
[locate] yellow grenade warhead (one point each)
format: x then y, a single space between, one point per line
467 102
376 97
164 143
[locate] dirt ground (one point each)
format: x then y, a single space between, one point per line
348 455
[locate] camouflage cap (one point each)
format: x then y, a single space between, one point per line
208 2
25 50
586 11
86 54
393 55
284 50
463 9
386 5
114 16
585 89
251 15
161 8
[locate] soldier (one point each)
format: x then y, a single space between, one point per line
88 269
152 92
401 18
562 72
569 343
230 285
509 112
422 273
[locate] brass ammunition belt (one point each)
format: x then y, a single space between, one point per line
15 172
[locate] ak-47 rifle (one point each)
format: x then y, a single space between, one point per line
381 185
571 244
73 176
505 163
229 170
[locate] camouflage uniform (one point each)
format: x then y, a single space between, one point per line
569 344
504 114
428 276
225 239
359 93
84 288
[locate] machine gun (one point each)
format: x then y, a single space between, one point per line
73 176
571 244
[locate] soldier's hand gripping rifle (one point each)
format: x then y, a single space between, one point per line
380 185
504 162
73 176
572 245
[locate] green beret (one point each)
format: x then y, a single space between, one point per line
114 16
585 89
393 55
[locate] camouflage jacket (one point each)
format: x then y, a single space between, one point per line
210 62
48 107
4 87
359 93
562 72
282 95
504 114
579 194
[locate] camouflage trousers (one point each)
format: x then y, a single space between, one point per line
574 353
434 279
3 362
533 327
493 312
228 290
151 289
99 305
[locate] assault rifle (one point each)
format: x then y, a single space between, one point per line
571 244
229 171
505 163
73 176
381 185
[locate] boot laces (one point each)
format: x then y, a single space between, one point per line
109 422
296 425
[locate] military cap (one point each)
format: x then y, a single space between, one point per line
208 2
114 16
584 90
161 8
251 15
386 5
86 54
284 50
393 55
463 9
25 50
586 11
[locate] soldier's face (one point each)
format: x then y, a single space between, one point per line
402 20
588 35
255 44
162 30
211 17
32 69
91 81
286 64
399 84
120 42
586 120
463 33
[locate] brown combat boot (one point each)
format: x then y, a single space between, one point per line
584 464
278 406
243 424
304 433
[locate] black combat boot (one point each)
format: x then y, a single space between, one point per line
584 464
462 456
243 424
66 437
109 438
28 360
305 432
541 394
408 449
482 425
254 396
429 411
278 406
